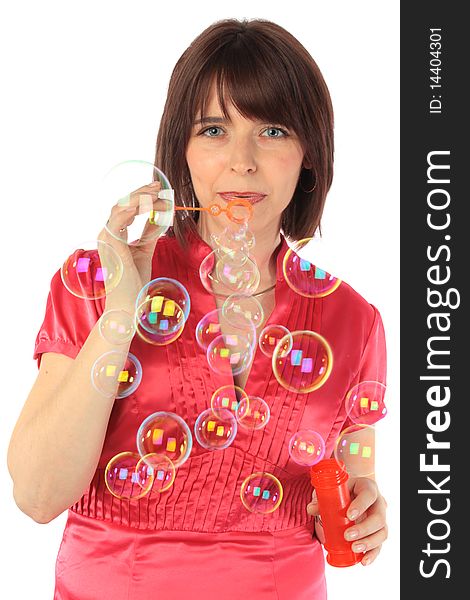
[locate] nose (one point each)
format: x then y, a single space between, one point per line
242 156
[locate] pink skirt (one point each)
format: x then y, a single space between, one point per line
98 560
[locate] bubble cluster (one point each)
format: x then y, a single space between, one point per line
157 469
126 478
269 338
228 397
224 274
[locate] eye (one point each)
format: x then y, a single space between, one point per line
276 130
210 129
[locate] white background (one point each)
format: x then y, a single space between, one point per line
83 88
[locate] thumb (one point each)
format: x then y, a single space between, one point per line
312 507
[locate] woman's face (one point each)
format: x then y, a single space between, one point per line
243 156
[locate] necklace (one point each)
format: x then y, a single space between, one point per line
271 287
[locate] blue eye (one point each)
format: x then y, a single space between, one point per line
284 133
209 129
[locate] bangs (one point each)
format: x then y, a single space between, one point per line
245 75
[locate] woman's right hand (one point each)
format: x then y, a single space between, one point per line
137 256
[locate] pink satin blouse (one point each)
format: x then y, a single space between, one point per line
197 540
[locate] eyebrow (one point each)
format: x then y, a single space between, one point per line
210 120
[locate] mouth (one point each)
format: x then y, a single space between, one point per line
251 197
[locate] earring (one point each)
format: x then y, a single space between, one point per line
300 182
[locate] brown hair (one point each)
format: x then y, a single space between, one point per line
268 75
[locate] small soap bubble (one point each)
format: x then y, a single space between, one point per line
304 277
230 354
306 447
125 477
224 274
157 468
139 184
269 338
228 398
92 271
215 431
355 449
365 402
214 324
163 291
241 311
307 366
116 326
116 374
252 413
165 433
261 493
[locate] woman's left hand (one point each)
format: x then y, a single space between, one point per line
367 508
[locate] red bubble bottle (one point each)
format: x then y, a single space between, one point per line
329 478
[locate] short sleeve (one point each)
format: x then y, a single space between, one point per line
372 365
67 322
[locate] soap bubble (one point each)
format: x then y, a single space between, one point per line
365 402
271 335
116 326
355 448
306 447
214 324
234 240
261 493
241 311
164 291
165 433
92 271
158 469
252 413
125 479
116 374
227 398
307 366
134 183
223 274
305 278
230 354
215 431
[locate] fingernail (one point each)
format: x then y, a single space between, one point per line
359 547
366 562
353 514
352 535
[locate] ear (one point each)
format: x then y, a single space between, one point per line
306 165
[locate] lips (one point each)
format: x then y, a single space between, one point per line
252 197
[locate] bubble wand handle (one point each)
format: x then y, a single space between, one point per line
329 477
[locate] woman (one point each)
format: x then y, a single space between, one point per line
247 114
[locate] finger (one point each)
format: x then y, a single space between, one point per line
312 507
371 541
374 521
364 493
370 556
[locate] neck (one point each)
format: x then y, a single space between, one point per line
263 252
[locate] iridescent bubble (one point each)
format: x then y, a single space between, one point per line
355 449
227 398
223 274
214 324
125 479
305 278
269 338
365 402
165 433
92 271
161 317
163 291
307 366
116 326
157 468
234 240
252 413
241 311
116 374
230 354
306 447
133 183
215 431
261 493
